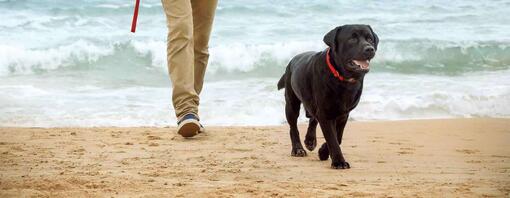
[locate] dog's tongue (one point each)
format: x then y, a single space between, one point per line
364 64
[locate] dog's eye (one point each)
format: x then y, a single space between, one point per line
370 40
354 37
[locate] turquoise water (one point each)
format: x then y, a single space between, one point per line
75 63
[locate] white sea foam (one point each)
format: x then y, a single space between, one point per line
386 96
156 50
430 57
113 6
20 60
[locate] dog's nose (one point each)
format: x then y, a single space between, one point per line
369 51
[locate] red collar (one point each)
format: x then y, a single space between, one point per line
334 71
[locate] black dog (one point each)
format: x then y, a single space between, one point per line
329 84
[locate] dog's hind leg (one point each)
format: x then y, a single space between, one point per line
323 152
292 107
311 139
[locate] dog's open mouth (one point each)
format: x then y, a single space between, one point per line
362 64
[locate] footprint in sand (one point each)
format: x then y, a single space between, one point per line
152 137
500 156
406 150
269 143
115 134
240 149
78 151
467 151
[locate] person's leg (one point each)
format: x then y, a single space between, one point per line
180 56
203 16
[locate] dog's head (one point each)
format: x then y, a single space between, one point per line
352 47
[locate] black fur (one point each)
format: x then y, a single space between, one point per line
326 99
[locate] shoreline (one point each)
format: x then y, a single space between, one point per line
467 157
174 126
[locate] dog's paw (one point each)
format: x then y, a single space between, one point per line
298 152
310 144
324 152
340 165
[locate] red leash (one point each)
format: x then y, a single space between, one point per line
135 16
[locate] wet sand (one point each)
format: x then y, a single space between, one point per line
424 158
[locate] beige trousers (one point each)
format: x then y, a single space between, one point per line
189 25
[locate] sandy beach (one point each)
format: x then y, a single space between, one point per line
423 158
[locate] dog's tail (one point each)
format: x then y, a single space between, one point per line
281 82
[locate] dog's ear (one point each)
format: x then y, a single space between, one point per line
375 37
330 37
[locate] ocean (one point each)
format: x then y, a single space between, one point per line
75 63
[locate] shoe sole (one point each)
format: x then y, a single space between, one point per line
188 128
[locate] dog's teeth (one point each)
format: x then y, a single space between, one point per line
363 64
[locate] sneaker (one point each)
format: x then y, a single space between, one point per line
188 126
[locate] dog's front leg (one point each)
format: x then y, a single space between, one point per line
340 125
330 134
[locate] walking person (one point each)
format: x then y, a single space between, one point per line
189 25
